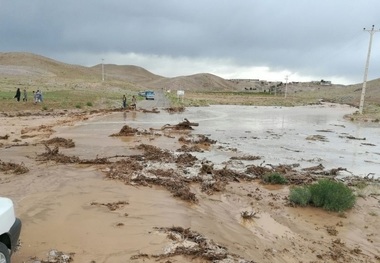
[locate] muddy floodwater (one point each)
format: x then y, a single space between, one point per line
129 205
305 135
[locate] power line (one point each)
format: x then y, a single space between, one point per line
371 31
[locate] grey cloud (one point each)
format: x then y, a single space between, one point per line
310 37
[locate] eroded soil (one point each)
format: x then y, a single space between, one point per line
135 194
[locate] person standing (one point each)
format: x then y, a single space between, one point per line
133 104
25 96
18 94
124 101
34 97
38 96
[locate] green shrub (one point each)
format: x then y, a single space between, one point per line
89 104
78 106
331 195
275 178
300 195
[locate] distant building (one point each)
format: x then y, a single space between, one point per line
322 82
325 83
243 80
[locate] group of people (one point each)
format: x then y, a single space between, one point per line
133 102
37 96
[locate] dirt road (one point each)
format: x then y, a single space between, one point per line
160 101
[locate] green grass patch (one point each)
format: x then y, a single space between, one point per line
62 99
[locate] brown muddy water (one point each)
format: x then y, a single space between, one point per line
62 206
309 135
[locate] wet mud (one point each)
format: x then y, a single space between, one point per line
160 195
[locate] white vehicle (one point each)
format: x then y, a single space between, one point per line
10 229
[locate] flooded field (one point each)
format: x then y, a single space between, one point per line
161 194
305 135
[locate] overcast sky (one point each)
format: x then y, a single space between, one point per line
266 39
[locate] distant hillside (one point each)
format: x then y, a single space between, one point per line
18 68
338 93
129 73
197 82
372 93
31 65
26 66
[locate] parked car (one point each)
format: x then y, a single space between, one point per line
149 95
10 229
142 93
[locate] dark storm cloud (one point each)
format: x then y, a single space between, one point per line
317 38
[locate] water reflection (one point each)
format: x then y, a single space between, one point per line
277 134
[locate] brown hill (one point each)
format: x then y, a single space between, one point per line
31 65
19 67
345 94
25 66
197 82
372 93
129 73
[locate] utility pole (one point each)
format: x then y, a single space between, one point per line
103 69
371 32
286 85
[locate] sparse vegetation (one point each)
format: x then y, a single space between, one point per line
274 178
65 86
328 194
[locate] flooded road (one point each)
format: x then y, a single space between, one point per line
309 135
